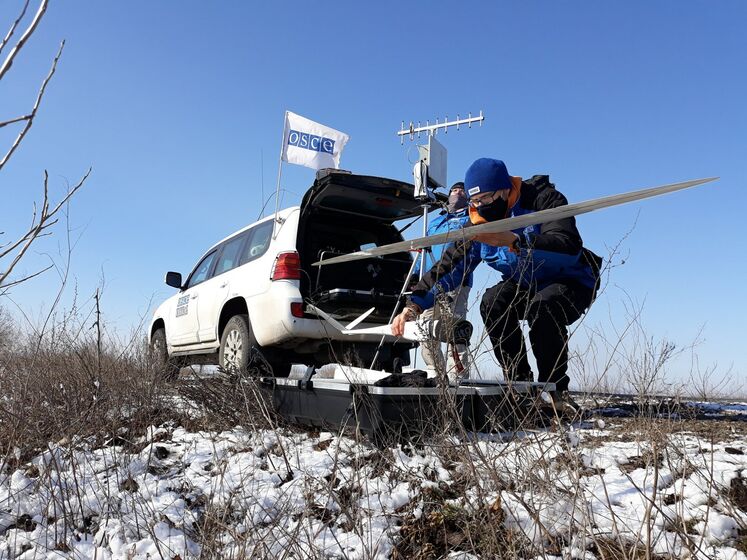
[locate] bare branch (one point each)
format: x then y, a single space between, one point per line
6 287
13 27
25 37
10 247
13 121
33 232
46 220
30 120
70 193
29 238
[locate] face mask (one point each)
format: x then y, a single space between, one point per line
496 210
457 201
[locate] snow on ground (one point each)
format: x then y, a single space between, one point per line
278 493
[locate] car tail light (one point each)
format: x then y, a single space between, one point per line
287 266
297 309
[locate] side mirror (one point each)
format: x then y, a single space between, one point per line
174 279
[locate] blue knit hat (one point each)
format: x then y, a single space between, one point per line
486 175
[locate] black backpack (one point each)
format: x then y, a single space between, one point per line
594 261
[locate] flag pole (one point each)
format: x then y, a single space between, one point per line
280 174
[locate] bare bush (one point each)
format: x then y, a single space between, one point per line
6 329
228 399
62 386
706 383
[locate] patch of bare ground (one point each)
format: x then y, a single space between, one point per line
443 526
610 549
631 429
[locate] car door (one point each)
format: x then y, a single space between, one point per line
214 292
185 321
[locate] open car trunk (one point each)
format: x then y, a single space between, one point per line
342 213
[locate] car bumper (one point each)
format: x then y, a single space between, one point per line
273 322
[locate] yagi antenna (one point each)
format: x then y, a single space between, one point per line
432 129
430 171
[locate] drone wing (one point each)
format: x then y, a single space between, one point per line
360 319
517 222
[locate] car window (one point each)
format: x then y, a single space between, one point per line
259 242
229 254
202 270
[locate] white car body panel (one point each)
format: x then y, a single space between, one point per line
268 303
211 298
182 312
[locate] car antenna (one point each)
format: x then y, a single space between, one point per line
262 178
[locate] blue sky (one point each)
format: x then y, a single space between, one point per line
176 104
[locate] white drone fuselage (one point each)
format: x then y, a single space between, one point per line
415 331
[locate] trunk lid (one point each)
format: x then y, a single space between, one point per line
376 198
342 213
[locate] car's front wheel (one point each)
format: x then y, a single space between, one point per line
167 366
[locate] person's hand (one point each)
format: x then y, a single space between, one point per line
502 239
408 314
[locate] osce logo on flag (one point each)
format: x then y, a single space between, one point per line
311 142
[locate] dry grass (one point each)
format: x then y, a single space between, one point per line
64 391
227 400
58 386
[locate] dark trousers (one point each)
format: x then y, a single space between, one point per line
549 312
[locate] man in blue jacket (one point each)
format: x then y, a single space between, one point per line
549 278
453 303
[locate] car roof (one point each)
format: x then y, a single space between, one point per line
284 212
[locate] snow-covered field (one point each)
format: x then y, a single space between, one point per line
577 493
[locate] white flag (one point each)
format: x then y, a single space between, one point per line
311 144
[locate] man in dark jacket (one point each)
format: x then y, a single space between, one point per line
549 279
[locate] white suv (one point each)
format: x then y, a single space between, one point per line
248 294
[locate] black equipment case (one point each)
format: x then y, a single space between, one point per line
389 413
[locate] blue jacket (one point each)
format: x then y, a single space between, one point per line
444 223
549 253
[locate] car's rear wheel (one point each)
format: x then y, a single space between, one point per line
168 367
239 350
